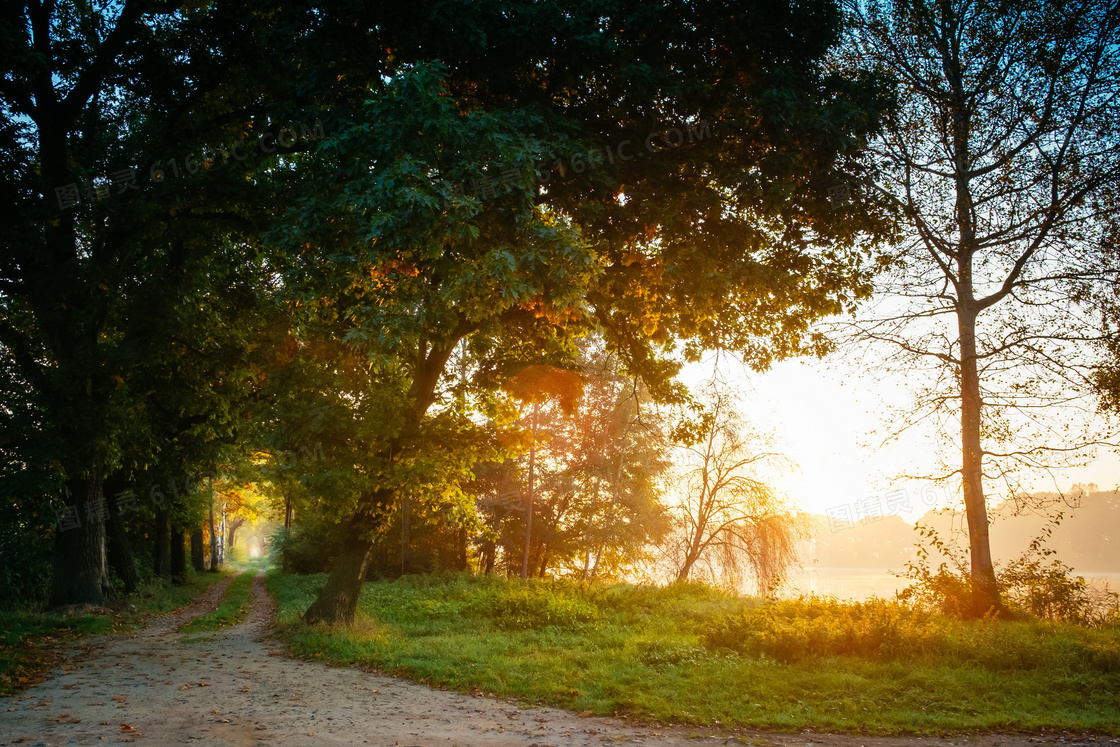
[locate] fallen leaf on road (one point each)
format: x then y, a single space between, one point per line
126 727
120 698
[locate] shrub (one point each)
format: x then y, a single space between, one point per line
305 548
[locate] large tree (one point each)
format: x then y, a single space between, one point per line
129 135
1004 159
719 234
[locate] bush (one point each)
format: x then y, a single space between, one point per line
306 548
1052 592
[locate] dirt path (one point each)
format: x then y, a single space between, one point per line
234 687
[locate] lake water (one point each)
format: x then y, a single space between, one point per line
864 583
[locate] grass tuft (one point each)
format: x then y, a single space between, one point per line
234 608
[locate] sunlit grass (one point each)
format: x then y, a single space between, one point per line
641 652
233 609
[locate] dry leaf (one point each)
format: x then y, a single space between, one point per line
120 698
126 727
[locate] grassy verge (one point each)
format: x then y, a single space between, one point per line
661 655
234 608
29 641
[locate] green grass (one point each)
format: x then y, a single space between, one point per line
661 655
29 641
234 608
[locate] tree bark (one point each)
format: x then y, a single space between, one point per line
120 553
985 589
81 568
232 531
178 554
213 534
529 508
338 600
544 562
405 565
198 559
161 554
489 553
463 563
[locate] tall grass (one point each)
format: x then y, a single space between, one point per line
689 654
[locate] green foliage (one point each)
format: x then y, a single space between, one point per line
643 653
1031 586
308 547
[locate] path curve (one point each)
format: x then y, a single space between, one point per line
235 687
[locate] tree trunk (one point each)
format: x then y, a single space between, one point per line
985 590
405 566
529 509
464 564
178 555
161 554
81 569
120 553
489 553
338 600
213 534
233 527
198 559
544 561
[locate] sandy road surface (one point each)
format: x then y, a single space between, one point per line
234 687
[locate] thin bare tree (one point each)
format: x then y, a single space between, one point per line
1003 159
730 521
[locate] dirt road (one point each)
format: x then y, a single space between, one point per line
234 687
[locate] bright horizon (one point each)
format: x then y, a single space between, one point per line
825 414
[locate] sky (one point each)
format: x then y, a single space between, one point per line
826 415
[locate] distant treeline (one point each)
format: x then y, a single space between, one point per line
1086 538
